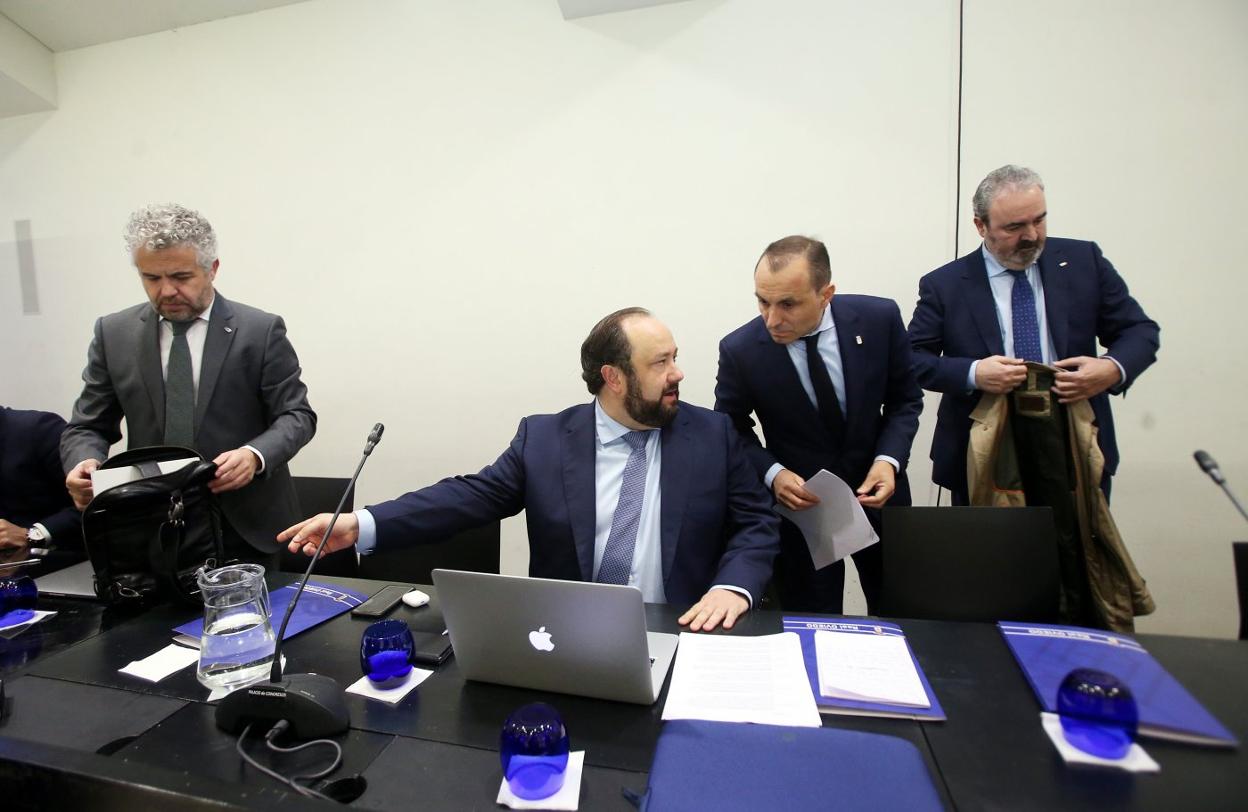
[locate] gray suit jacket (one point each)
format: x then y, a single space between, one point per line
249 394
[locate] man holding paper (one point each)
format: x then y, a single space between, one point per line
829 380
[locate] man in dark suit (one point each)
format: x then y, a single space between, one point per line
35 511
190 368
633 488
829 378
1023 297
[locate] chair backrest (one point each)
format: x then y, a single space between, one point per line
1240 550
474 550
320 494
970 563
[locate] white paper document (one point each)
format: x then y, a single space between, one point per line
103 479
837 526
156 667
868 668
741 679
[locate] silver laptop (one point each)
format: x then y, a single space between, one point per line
570 637
77 581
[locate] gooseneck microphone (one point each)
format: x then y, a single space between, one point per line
313 704
1210 466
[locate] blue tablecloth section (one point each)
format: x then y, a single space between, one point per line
725 766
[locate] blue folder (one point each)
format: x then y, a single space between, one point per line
726 766
318 604
805 627
1167 711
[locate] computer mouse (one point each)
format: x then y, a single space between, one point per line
415 598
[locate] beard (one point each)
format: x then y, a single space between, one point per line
1024 254
649 412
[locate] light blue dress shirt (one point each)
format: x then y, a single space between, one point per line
1002 285
830 351
609 460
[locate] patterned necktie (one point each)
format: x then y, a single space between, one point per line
179 389
825 392
617 556
1023 313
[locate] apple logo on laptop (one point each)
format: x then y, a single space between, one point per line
540 640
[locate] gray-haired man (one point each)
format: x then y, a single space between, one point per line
191 368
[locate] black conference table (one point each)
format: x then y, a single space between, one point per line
78 733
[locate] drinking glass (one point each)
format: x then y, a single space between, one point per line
386 652
1098 712
17 593
533 748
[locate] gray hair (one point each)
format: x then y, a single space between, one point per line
997 181
168 225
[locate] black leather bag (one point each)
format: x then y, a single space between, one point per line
147 539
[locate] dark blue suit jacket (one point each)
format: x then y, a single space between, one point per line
32 484
955 322
716 521
883 401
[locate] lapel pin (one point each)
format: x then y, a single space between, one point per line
229 329
858 339
1062 264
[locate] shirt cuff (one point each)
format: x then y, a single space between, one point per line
771 474
367 540
1122 375
47 534
259 456
896 465
970 377
745 593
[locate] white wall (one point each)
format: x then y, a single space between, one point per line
442 197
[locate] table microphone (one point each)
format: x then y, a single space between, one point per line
313 704
1210 466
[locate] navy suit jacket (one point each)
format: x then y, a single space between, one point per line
882 407
32 485
955 322
716 521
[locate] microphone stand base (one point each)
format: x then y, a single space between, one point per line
313 704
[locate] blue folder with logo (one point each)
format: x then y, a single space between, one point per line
723 766
319 603
805 627
1167 711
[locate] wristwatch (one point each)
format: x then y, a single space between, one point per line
36 534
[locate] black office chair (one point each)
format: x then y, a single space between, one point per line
1240 550
476 550
970 563
320 494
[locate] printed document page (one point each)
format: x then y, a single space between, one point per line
741 679
837 526
868 668
103 479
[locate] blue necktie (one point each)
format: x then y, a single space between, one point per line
179 389
1023 312
617 556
